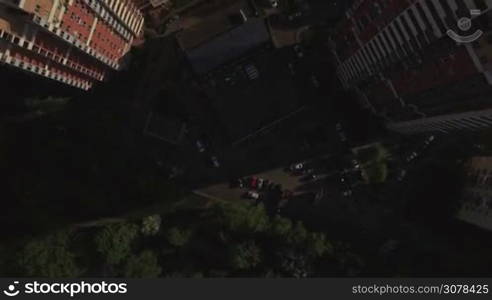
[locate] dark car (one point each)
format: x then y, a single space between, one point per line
298 51
237 183
215 161
341 132
296 167
346 185
200 146
202 143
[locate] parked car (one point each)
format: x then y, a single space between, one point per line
215 161
254 195
312 177
296 167
230 80
315 81
259 184
347 193
292 70
307 171
401 175
346 185
253 182
283 203
343 179
203 143
355 164
175 172
429 140
341 132
251 71
294 16
298 51
237 183
413 155
318 197
200 146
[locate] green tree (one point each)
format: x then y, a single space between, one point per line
280 226
47 105
318 245
144 265
374 160
243 217
245 256
115 240
151 225
48 257
298 234
178 237
293 263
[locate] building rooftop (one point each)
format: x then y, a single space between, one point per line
228 46
208 20
247 105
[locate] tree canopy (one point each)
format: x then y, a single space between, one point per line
178 237
48 256
229 239
114 241
143 265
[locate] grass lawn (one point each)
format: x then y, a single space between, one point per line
373 160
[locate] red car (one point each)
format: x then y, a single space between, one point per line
254 182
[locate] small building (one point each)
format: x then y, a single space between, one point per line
222 36
228 46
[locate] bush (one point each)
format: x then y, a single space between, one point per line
144 265
114 241
151 225
178 237
48 257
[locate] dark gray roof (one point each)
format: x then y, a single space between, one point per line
228 46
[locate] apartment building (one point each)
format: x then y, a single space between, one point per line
476 207
76 42
398 56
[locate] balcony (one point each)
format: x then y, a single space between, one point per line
126 33
31 68
71 39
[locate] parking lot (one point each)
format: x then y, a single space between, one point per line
223 191
309 181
